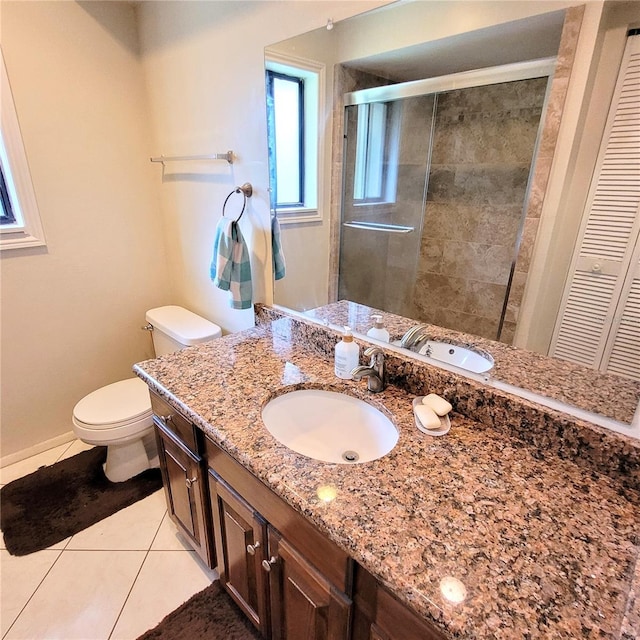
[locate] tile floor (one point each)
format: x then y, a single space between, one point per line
112 581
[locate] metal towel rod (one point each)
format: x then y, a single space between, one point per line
228 156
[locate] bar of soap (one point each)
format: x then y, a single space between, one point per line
427 416
439 405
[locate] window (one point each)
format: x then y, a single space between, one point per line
376 163
7 216
20 224
285 100
294 89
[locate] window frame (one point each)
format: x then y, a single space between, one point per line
387 154
313 74
300 81
26 230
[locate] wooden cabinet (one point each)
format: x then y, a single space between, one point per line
184 480
290 580
378 615
241 537
305 605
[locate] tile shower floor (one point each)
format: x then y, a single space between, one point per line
113 580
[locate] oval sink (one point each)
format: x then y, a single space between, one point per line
329 426
458 356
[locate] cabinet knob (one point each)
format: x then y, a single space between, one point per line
166 419
191 481
267 564
251 548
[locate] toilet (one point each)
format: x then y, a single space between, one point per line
119 415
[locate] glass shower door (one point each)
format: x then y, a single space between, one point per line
387 149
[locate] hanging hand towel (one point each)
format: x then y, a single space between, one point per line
230 266
279 267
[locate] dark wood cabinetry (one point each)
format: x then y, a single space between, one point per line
305 605
290 580
378 615
184 480
241 537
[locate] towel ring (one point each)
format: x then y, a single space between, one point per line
247 191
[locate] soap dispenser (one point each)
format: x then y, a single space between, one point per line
347 355
378 331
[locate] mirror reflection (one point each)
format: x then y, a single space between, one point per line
433 200
429 193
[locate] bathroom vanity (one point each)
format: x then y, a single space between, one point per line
520 522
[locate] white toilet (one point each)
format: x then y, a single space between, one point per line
119 415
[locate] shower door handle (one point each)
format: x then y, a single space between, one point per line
379 226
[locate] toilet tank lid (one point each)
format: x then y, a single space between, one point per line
183 325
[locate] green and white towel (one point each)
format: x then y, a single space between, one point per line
230 266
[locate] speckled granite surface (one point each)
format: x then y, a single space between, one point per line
606 394
544 539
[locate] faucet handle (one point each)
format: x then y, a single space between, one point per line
376 354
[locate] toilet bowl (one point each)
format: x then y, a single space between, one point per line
119 415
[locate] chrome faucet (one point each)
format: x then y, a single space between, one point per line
374 372
415 338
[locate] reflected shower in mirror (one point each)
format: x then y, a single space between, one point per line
433 201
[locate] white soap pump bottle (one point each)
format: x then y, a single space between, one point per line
347 355
378 331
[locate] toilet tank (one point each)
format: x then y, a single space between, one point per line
175 328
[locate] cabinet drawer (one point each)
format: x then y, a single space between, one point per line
174 422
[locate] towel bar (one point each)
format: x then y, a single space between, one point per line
228 156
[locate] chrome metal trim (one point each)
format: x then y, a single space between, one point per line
379 226
463 80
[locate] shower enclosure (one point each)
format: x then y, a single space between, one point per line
434 190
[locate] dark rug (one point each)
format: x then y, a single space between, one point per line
60 500
209 614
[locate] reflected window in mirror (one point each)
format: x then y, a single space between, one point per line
376 163
293 132
285 117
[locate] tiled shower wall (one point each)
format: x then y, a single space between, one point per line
484 140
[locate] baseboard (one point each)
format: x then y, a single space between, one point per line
18 456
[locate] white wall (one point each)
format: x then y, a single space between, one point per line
204 64
71 312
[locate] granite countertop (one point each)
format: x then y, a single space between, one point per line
544 547
606 394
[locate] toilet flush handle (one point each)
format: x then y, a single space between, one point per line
147 327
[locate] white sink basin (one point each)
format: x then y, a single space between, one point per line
329 426
458 356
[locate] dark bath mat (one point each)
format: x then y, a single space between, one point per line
209 614
57 501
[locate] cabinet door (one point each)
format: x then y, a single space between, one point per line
305 605
240 534
395 621
185 490
376 634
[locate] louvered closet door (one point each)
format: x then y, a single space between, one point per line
600 318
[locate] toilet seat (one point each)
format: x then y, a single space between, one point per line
117 412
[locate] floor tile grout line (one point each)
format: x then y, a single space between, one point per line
133 584
33 593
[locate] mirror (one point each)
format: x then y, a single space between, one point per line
364 52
